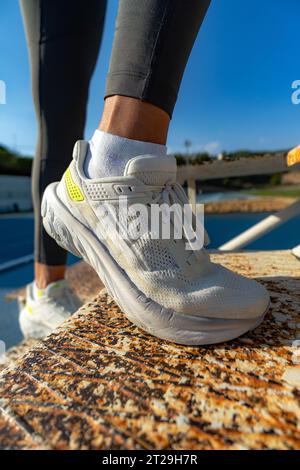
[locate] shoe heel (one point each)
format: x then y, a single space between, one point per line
53 223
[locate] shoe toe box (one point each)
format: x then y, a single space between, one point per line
223 295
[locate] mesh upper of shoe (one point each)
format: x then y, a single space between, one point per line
55 306
183 280
193 285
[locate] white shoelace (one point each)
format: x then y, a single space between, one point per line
193 229
187 222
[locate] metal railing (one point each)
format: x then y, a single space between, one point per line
257 165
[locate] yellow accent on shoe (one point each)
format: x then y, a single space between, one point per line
293 156
40 293
73 189
29 309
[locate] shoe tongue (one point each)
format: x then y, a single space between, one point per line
152 170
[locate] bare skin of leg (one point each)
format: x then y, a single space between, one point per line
134 119
125 117
45 275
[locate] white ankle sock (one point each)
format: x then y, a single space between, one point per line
108 154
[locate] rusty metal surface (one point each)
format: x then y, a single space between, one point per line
16 351
14 436
101 383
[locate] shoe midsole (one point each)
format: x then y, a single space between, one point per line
72 235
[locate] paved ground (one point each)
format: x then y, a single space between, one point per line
101 383
259 204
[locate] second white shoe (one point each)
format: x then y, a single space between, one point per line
40 316
173 293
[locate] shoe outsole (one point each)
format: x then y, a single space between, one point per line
164 323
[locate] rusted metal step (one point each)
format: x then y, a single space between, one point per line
99 382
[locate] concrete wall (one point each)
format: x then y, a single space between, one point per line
15 193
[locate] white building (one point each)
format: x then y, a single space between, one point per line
15 193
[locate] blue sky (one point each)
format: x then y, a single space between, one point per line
236 92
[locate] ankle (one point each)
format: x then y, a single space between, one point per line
134 119
45 275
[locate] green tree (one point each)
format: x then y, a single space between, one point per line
13 164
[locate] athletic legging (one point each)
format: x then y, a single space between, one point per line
152 43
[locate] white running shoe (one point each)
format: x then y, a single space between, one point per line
170 292
39 317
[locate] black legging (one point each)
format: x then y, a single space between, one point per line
152 43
